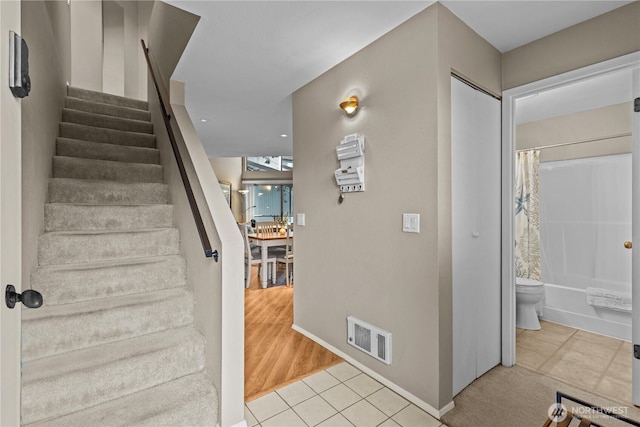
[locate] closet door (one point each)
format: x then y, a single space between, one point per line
475 186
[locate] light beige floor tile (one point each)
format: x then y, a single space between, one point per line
387 401
340 396
296 392
314 410
530 359
627 346
551 336
619 371
267 406
412 416
598 339
389 423
363 384
336 421
557 327
575 369
624 356
533 343
615 389
321 381
287 418
364 414
249 418
343 371
518 332
588 348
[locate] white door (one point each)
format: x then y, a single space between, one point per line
475 187
635 227
10 224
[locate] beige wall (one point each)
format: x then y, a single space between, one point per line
113 75
603 37
86 44
353 258
600 124
45 27
229 169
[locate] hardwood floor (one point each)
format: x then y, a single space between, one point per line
275 354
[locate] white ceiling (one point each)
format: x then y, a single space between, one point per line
246 58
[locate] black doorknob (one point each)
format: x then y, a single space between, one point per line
30 298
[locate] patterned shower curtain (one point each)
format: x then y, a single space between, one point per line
527 209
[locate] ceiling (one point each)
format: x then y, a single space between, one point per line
246 58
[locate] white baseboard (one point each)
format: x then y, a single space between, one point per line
588 323
242 423
402 392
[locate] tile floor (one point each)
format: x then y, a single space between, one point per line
338 396
592 362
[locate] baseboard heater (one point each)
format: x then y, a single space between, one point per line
372 340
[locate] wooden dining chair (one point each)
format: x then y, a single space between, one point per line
287 258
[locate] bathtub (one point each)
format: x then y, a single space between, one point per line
568 306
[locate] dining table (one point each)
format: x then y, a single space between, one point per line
266 241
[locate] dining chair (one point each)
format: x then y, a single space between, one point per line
253 257
266 229
287 258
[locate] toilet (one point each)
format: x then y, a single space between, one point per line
528 293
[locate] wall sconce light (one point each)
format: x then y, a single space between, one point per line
350 105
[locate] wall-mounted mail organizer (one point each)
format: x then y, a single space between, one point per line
350 152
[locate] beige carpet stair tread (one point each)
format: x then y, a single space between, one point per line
109 136
66 190
104 121
68 382
69 283
106 98
65 216
106 170
62 328
106 109
190 400
68 247
103 151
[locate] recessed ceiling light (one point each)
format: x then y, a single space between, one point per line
284 135
203 120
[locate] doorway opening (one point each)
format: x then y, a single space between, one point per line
571 252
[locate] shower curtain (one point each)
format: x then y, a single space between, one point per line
527 215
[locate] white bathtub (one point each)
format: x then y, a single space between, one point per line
568 306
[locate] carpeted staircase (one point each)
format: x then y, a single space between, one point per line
114 343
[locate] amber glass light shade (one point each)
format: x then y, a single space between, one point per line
350 105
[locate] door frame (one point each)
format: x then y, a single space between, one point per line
10 222
509 98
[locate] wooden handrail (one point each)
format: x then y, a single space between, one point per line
166 115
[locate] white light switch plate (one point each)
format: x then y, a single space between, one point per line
411 223
300 219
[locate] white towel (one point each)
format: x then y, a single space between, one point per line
606 298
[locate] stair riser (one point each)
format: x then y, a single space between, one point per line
66 286
102 151
70 248
65 394
65 217
105 98
106 109
77 191
43 337
104 170
109 136
108 122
